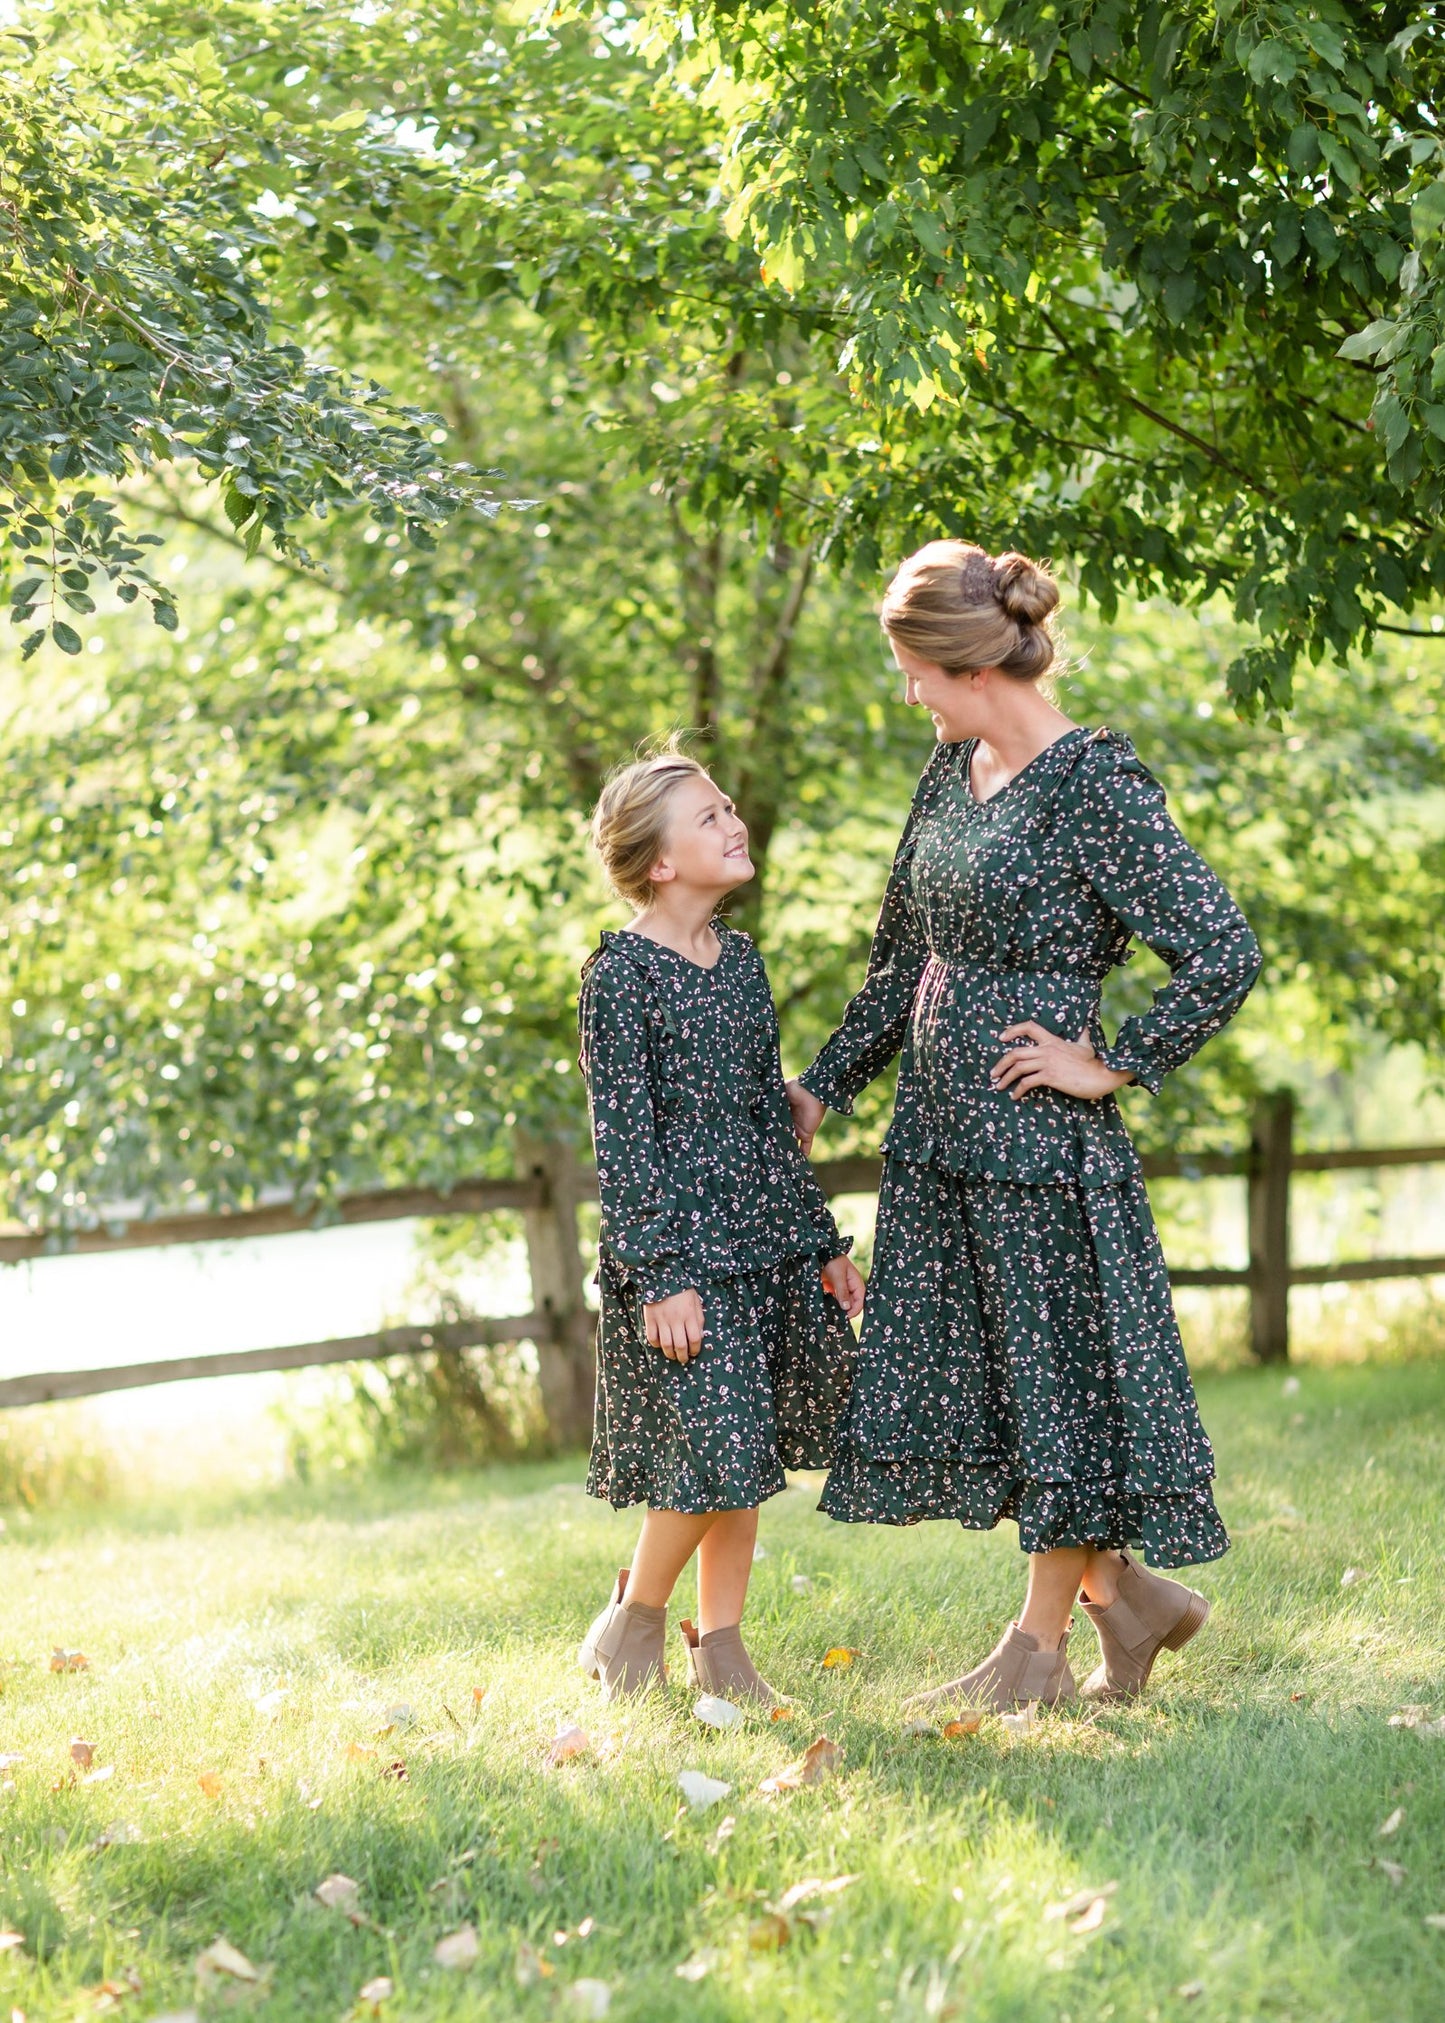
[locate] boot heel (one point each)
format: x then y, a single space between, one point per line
1189 1624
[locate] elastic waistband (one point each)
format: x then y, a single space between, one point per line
1003 971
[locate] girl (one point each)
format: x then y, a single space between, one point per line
724 1354
1019 1355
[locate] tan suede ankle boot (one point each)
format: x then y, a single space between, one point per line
1015 1672
719 1663
1148 1615
624 1647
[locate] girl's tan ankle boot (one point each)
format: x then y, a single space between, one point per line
624 1647
1015 1672
1148 1615
719 1663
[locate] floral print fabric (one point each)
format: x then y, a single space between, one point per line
1019 1355
702 1185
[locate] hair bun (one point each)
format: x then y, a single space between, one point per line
1026 590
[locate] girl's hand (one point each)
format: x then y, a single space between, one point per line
808 1114
674 1325
1049 1061
846 1283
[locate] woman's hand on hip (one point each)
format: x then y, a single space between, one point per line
808 1114
674 1325
1044 1060
846 1283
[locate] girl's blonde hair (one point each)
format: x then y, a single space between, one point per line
629 823
963 609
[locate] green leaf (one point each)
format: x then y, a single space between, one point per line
1273 61
346 122
1365 343
165 615
65 636
1392 424
1427 213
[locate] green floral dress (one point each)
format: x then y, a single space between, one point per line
1020 1356
702 1185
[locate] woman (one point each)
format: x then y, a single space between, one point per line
1020 1356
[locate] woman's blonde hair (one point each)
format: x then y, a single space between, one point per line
963 609
629 823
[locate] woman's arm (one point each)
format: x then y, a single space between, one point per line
876 1021
640 1224
1161 890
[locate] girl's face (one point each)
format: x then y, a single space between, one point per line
707 844
954 701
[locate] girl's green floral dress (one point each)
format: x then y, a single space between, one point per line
703 1185
1019 1354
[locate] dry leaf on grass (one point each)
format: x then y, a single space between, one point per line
700 1791
532 1966
1435 1920
82 1753
458 1950
813 1886
68 1661
99 1776
719 1838
1352 1576
962 1724
9 1758
1084 1910
592 1999
698 1967
120 1833
374 1993
768 1933
1416 1719
223 1960
269 1705
1190 1991
211 1783
1392 1824
715 1712
919 1726
1023 1722
356 1752
568 1744
11 1942
338 1892
817 1761
1391 1869
801 1584
479 1693
396 1770
839 1658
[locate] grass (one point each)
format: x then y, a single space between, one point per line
1237 1809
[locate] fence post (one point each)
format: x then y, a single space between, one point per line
554 1257
1271 1148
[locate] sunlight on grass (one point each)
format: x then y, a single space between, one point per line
254 1677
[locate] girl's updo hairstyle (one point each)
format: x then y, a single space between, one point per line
963 609
629 823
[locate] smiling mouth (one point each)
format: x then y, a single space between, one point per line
737 850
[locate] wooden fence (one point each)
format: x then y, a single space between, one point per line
550 1186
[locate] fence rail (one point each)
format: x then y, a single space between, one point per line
549 1186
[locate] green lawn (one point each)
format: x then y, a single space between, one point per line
1238 1811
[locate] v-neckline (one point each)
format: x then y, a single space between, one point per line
1078 731
703 968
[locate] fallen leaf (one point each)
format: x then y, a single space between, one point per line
1080 1901
839 1658
403 1715
568 1743
695 1969
211 1783
356 1752
479 1693
221 1957
759 1552
1435 1920
269 1705
338 1892
1393 1823
458 1950
376 1992
918 1726
1392 1869
964 1724
82 1753
1092 1918
589 1998
532 1967
699 1791
68 1661
396 1771
120 1833
718 1840
818 1760
99 1776
801 1584
1190 1991
9 1758
171 2016
1352 1576
1416 1719
784 1711
1290 1387
715 1712
768 1933
813 1886
11 1942
1023 1722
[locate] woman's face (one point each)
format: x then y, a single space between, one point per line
954 701
707 842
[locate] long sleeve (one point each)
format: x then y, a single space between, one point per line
641 1226
1161 890
875 1023
775 1120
